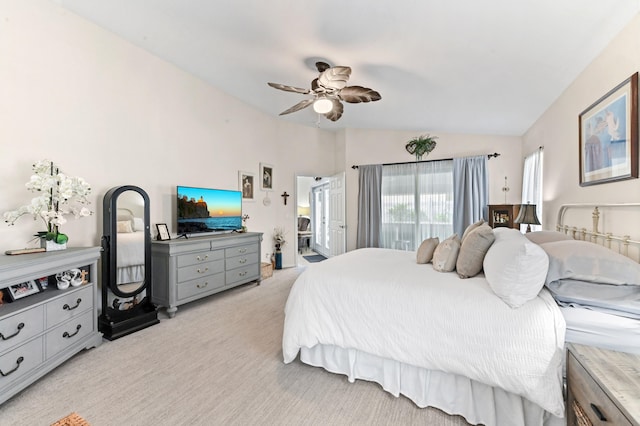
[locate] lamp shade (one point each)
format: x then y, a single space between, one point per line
528 215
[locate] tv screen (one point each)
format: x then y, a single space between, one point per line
202 210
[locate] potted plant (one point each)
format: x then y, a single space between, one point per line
421 145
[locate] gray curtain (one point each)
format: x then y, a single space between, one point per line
369 206
470 191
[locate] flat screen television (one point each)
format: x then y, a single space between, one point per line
208 210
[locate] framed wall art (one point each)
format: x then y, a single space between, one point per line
266 177
246 184
608 136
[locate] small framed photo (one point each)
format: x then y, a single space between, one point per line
246 184
27 288
163 232
266 177
43 282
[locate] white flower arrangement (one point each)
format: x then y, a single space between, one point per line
278 237
59 195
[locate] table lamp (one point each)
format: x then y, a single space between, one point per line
528 215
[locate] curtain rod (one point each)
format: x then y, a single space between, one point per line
489 156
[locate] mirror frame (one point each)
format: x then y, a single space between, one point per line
110 241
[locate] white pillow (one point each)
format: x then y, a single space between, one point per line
586 261
446 254
541 237
426 249
138 224
124 226
515 268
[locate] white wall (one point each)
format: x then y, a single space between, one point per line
557 130
375 147
114 114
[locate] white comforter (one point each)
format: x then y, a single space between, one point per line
130 249
381 302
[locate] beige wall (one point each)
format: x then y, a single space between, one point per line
114 114
557 130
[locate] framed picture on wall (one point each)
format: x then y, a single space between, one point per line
608 136
246 184
266 177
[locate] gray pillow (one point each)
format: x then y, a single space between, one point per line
541 237
426 249
472 251
470 229
446 254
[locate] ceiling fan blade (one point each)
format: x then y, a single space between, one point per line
357 94
336 111
297 107
334 78
289 88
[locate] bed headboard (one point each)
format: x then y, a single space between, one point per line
615 226
124 214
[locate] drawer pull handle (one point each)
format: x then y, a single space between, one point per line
18 361
242 250
20 327
202 258
67 335
243 273
202 271
69 308
202 285
242 260
596 410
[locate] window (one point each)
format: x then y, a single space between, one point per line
417 203
532 183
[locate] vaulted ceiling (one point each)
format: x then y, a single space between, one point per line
467 66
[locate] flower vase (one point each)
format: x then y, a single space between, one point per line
51 245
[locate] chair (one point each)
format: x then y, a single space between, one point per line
304 234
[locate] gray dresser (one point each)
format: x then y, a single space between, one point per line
40 331
185 270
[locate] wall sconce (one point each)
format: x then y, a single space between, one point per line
528 215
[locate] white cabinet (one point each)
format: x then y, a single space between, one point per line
41 331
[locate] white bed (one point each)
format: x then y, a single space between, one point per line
442 341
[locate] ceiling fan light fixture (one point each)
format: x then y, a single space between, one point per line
322 105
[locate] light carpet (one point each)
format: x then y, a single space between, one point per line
218 362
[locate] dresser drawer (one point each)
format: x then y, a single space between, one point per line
20 361
201 285
71 304
198 258
200 271
247 273
18 328
68 333
240 250
242 261
590 397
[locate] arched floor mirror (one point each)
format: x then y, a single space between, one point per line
126 263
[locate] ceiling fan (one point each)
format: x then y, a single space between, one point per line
328 90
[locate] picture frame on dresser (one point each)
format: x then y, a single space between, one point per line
23 289
163 232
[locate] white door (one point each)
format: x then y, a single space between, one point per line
319 217
337 235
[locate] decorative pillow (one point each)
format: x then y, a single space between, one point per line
446 254
138 224
472 251
541 237
124 226
470 228
586 261
515 268
426 249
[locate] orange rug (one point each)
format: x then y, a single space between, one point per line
72 419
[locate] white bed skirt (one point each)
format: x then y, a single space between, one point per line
453 394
